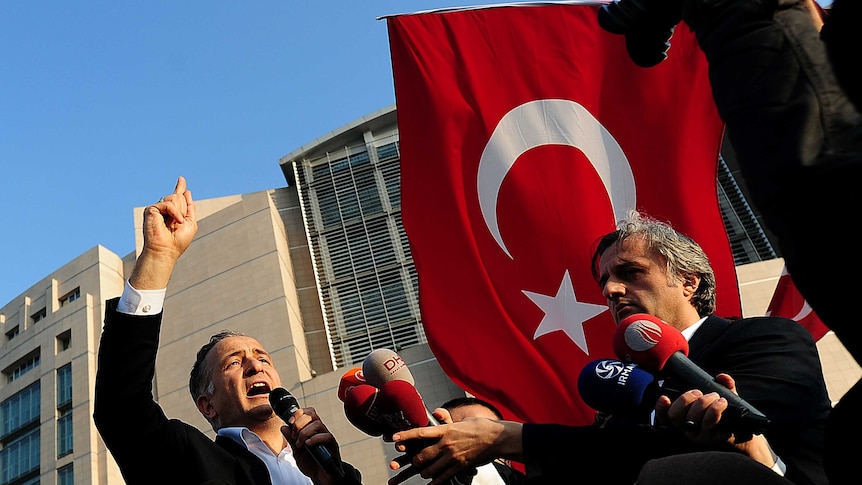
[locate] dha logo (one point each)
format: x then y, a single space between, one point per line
393 364
614 370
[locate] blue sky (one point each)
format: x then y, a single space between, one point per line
103 104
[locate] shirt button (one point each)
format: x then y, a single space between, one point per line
146 309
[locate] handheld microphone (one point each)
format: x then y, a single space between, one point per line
618 388
651 343
403 407
384 365
285 405
350 379
362 409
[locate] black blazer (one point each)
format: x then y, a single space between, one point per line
776 366
148 447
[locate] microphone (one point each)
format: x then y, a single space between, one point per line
618 388
651 343
403 407
285 405
361 407
384 365
349 380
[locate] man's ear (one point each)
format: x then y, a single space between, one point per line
690 282
206 408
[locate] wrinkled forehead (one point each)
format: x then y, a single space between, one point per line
472 411
630 248
236 345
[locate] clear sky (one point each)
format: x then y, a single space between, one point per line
103 104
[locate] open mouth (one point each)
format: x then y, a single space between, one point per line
258 388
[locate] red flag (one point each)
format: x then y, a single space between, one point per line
789 303
526 132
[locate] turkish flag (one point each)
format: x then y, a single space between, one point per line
789 303
526 132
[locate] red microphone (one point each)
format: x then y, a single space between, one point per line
651 343
647 341
350 379
403 407
361 407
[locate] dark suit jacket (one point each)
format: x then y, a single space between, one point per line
148 447
776 366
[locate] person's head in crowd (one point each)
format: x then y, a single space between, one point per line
217 380
646 266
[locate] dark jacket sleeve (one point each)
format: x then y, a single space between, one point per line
149 447
776 366
556 453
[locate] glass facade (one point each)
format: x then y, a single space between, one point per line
66 475
19 415
64 410
351 205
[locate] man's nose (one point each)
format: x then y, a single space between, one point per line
613 290
253 366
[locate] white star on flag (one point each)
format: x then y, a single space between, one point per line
564 312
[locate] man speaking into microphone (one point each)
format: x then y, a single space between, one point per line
771 363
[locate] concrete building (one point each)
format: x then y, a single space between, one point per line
320 271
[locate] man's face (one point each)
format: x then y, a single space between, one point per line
636 281
471 411
242 375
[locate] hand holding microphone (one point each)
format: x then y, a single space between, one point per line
285 405
657 347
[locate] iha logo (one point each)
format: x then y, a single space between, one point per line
642 335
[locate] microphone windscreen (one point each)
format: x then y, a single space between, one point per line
384 365
283 403
361 409
349 379
647 341
402 406
616 387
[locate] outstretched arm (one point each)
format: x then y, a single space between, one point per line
457 447
169 227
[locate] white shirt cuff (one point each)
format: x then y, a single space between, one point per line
141 302
779 467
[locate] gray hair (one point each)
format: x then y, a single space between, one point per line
200 378
682 255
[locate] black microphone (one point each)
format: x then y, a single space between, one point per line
284 405
651 343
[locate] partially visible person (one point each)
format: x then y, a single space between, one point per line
230 383
646 266
790 93
497 472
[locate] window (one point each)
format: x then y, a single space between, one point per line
70 297
19 459
64 341
64 410
19 436
12 333
39 315
64 432
64 385
66 475
18 369
20 411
